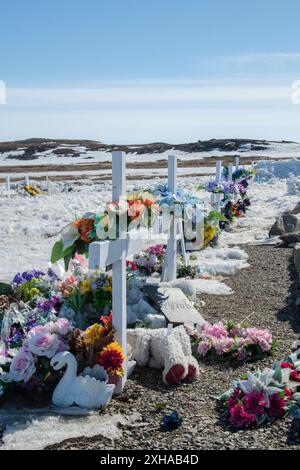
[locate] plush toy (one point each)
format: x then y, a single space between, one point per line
166 348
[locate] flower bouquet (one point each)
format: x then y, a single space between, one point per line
239 174
26 352
151 260
29 189
257 398
132 211
231 341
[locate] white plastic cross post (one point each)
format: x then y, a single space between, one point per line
217 197
230 171
27 180
113 253
172 241
218 171
237 162
48 184
8 186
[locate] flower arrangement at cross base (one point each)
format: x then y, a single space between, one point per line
150 260
257 398
26 353
231 341
44 315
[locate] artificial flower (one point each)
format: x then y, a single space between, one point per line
112 358
42 343
22 367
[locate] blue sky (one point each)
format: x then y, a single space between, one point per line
135 71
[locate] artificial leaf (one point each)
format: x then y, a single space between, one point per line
5 289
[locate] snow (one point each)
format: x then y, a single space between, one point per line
36 429
31 225
277 169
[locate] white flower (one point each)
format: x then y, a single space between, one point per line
69 235
260 382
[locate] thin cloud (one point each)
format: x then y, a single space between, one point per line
143 93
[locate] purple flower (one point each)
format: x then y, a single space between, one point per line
27 276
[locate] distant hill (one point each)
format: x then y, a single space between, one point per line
29 148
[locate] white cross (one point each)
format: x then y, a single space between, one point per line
216 198
114 252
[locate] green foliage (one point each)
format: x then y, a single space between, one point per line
5 289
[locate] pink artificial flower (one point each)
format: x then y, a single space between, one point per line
222 346
239 418
42 343
216 330
68 283
242 354
22 367
277 405
255 402
261 337
203 348
81 260
237 330
38 329
61 326
158 250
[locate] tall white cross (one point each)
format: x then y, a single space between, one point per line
114 252
216 198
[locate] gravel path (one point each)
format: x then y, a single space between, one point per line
266 292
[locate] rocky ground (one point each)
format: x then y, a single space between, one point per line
265 292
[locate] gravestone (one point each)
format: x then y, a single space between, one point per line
174 305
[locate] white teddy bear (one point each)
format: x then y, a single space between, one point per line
166 348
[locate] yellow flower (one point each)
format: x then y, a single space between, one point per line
93 333
209 233
84 287
107 289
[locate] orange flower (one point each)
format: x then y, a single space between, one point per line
85 227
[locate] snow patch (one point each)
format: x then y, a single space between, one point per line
41 431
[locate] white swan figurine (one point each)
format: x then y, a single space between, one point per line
88 390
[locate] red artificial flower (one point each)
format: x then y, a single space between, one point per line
288 393
295 375
131 265
239 418
107 320
111 359
286 365
277 405
255 402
